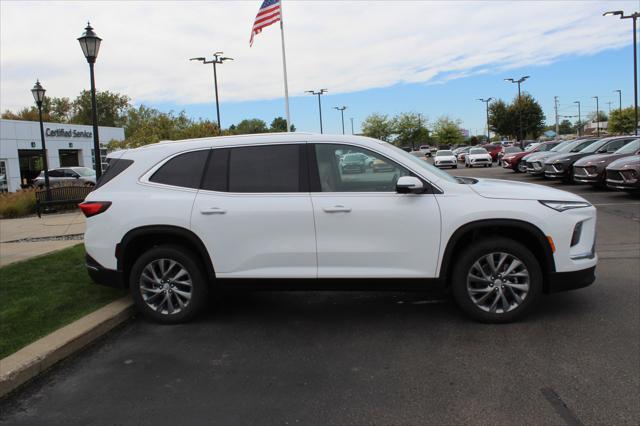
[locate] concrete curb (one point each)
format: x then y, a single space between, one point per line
28 362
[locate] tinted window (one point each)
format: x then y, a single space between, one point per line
630 148
215 174
274 168
375 174
478 151
184 170
56 173
613 146
70 173
114 168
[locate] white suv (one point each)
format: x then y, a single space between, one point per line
174 221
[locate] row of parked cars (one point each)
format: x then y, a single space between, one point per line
612 162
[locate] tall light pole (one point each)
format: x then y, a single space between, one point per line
318 93
597 114
38 95
579 117
555 108
518 82
217 59
619 98
341 109
90 44
634 16
351 125
486 101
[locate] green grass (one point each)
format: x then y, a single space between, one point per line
42 294
17 204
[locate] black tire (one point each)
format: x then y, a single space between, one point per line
482 248
490 164
455 167
199 285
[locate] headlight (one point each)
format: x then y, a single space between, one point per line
565 205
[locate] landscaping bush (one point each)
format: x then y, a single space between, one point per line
17 204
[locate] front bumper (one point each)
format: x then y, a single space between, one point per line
563 281
103 276
554 171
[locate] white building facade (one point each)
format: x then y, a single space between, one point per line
68 145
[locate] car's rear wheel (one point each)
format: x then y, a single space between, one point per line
496 280
168 284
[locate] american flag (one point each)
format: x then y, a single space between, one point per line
268 14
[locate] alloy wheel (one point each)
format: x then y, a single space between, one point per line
166 286
498 282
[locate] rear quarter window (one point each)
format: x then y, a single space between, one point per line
184 170
115 166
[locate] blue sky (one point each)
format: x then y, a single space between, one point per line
574 78
376 56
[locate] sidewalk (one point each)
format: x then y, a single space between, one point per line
54 225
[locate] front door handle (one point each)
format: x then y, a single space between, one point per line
213 210
337 209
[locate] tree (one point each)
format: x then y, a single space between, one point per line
410 129
112 108
565 127
621 122
447 131
248 126
602 117
378 126
279 124
500 121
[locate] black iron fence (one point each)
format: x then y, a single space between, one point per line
60 196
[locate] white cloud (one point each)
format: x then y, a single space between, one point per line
342 45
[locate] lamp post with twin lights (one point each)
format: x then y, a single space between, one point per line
38 95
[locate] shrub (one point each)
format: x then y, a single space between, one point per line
17 204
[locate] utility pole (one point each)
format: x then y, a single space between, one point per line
318 93
217 59
486 101
352 125
609 104
341 109
619 99
597 114
579 118
555 107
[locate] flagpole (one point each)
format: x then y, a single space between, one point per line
284 67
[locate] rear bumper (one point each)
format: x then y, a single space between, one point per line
103 276
563 281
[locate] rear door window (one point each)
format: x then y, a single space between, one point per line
267 168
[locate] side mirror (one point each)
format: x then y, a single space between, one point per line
409 185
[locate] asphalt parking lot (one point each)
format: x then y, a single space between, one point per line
371 358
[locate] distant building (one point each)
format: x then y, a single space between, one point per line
67 145
591 128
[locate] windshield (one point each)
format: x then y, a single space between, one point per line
591 147
512 149
629 148
531 146
564 146
442 153
84 171
478 151
423 165
353 158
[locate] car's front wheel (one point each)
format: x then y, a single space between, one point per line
168 284
496 280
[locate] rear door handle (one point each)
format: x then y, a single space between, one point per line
213 210
337 209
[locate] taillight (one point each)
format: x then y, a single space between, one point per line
92 208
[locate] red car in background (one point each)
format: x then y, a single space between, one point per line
514 161
493 150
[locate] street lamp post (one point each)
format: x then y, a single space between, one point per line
518 82
634 16
619 99
486 101
217 59
351 125
318 93
341 109
38 95
579 117
90 44
597 114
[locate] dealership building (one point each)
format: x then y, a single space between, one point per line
68 145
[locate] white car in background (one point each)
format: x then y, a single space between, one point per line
426 150
445 158
477 157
